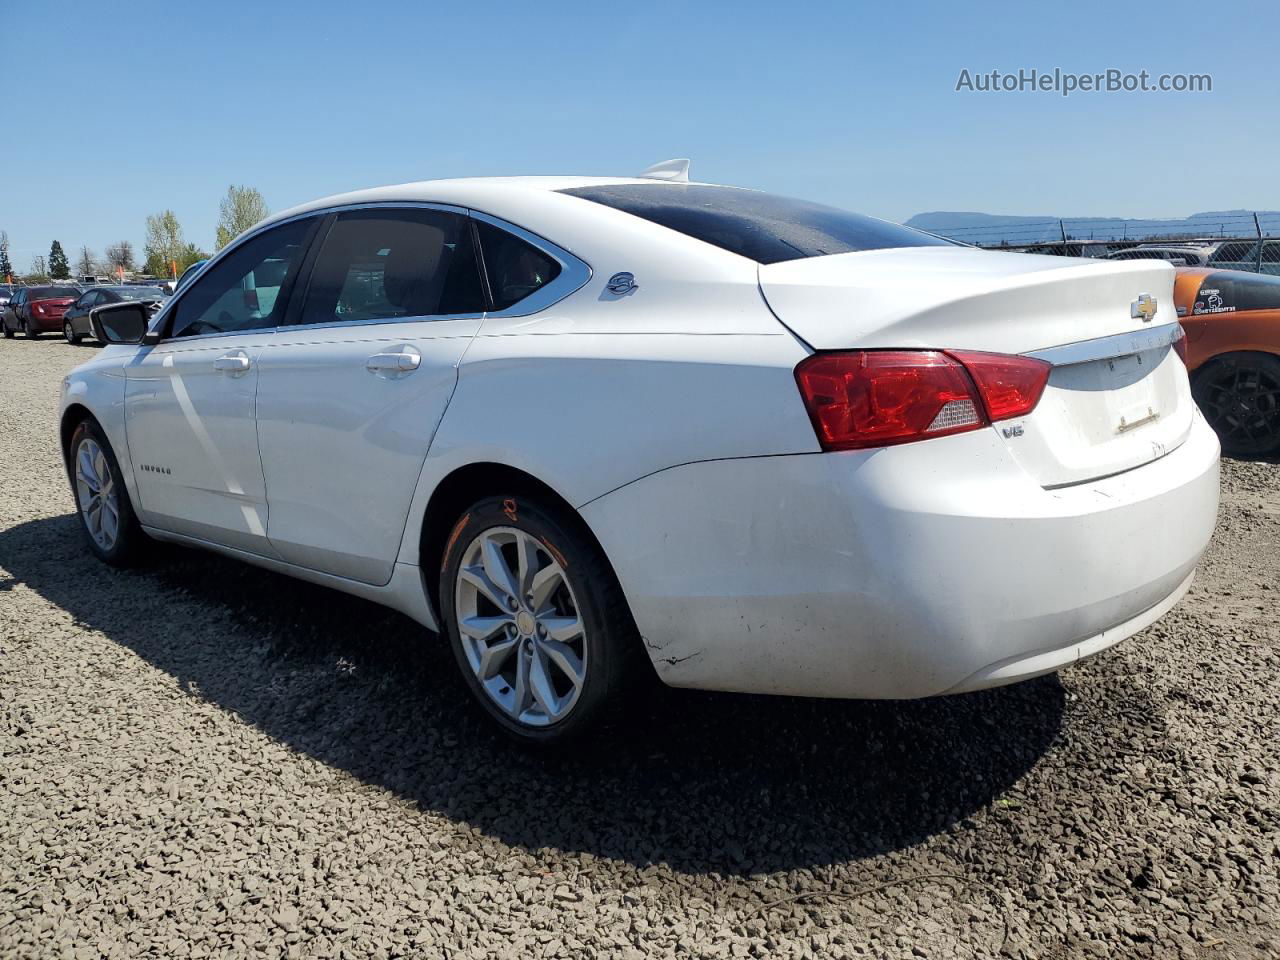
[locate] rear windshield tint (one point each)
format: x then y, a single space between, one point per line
1235 290
760 226
52 293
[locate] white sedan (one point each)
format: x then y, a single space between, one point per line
587 428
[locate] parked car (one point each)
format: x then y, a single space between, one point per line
7 290
1185 254
1257 256
188 273
613 425
75 322
36 310
1232 320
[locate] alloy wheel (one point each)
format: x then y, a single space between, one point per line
1242 403
521 627
96 494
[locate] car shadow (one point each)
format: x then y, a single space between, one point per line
701 782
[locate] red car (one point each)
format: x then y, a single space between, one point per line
37 310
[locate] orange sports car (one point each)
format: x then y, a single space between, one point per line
1232 321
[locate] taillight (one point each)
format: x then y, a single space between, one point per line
1180 344
37 307
1010 386
875 398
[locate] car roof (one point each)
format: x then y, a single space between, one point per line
462 191
538 206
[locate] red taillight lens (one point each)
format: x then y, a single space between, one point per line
1180 344
1010 386
873 398
37 307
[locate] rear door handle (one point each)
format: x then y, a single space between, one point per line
396 364
233 363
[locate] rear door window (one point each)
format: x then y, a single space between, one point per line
514 267
394 264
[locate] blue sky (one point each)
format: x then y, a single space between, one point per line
124 109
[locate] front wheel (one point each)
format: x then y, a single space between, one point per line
106 513
536 619
1239 395
29 333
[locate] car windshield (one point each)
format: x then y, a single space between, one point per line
51 293
760 226
142 293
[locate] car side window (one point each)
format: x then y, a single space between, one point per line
243 291
515 268
389 264
1233 252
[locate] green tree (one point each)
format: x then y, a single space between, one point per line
59 268
190 254
241 208
6 267
164 245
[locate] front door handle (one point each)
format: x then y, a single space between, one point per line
397 364
233 363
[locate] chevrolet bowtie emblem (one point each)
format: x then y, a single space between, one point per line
1144 307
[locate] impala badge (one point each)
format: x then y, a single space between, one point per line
621 283
1144 307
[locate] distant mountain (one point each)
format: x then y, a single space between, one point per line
988 228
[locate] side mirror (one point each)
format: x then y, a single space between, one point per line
120 322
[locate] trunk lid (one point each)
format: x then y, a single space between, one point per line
1118 395
53 307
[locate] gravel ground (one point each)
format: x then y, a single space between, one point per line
207 759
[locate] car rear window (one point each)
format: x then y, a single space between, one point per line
141 293
50 293
1233 290
761 226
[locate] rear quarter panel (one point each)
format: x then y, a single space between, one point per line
595 394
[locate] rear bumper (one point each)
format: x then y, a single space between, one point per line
45 324
929 568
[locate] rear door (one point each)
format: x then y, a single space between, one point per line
189 400
352 390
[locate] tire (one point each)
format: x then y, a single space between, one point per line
68 334
8 332
1239 395
128 545
532 648
29 333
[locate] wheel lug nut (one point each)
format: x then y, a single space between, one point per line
511 603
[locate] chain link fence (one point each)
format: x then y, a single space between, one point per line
1240 240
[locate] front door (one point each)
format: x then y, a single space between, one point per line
351 392
189 401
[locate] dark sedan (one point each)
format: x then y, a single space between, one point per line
37 310
75 323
